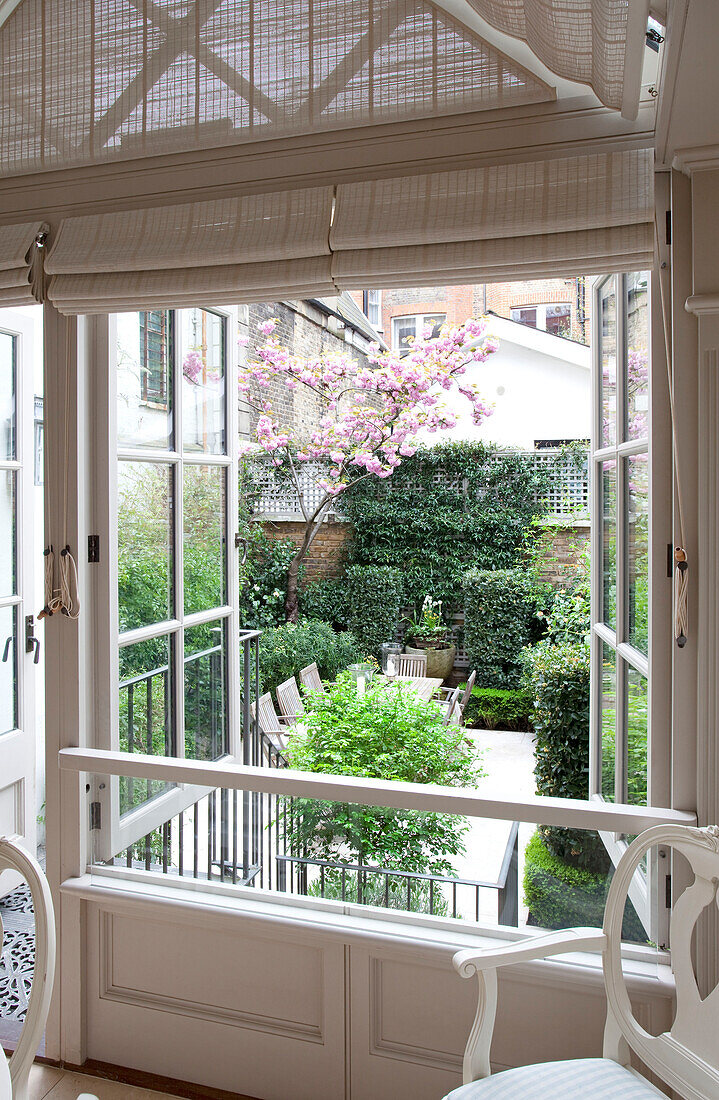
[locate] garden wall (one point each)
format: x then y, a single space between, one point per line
562 548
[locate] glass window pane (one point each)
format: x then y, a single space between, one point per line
8 520
202 351
404 330
433 321
144 379
204 537
145 712
637 473
609 718
205 696
144 538
8 670
637 709
608 383
559 320
609 543
7 396
637 409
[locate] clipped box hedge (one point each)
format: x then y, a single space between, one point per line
500 619
499 708
374 596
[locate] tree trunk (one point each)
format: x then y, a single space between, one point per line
291 599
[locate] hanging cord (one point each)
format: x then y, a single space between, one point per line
63 597
681 562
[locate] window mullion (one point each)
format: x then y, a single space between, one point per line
231 550
621 535
178 572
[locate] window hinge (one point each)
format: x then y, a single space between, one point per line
95 815
668 891
668 224
93 548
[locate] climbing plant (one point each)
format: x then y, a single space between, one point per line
447 508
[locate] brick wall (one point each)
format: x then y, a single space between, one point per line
328 555
306 331
461 302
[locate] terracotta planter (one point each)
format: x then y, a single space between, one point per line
440 662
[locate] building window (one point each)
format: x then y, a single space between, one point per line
555 319
372 307
405 330
154 348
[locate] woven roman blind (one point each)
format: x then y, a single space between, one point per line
597 42
586 214
83 82
20 264
241 249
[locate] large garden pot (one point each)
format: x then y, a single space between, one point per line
440 662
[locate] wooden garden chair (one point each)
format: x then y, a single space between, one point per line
443 695
310 678
289 700
686 1057
412 664
274 730
452 705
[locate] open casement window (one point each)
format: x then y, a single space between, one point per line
172 575
620 553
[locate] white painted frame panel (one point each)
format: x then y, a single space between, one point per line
118 831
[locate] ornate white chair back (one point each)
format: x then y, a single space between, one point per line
687 1056
14 858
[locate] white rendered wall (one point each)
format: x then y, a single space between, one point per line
539 385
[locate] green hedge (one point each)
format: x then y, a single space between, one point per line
558 678
492 708
559 895
326 599
374 597
444 510
286 649
500 609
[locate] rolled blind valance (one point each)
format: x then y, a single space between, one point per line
570 215
240 249
21 277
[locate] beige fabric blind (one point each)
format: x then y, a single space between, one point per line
240 249
21 264
572 214
84 82
596 42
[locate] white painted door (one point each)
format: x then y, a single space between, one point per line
18 649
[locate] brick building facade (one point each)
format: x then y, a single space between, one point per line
307 328
558 305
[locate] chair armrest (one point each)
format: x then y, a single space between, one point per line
484 964
289 718
470 962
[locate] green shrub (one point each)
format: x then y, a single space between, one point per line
286 649
559 895
374 602
383 734
500 608
325 599
447 508
263 579
558 678
492 708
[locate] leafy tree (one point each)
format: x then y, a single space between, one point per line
384 734
372 416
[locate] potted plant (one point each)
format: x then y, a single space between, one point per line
429 633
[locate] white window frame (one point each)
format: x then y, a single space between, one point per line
118 831
643 892
420 320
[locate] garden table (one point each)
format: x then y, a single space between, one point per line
424 686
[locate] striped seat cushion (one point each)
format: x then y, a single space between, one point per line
588 1078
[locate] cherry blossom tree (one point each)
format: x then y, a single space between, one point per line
371 416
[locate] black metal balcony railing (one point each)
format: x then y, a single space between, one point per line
248 838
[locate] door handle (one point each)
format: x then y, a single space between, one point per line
6 651
31 642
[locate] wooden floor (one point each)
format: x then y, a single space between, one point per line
58 1084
